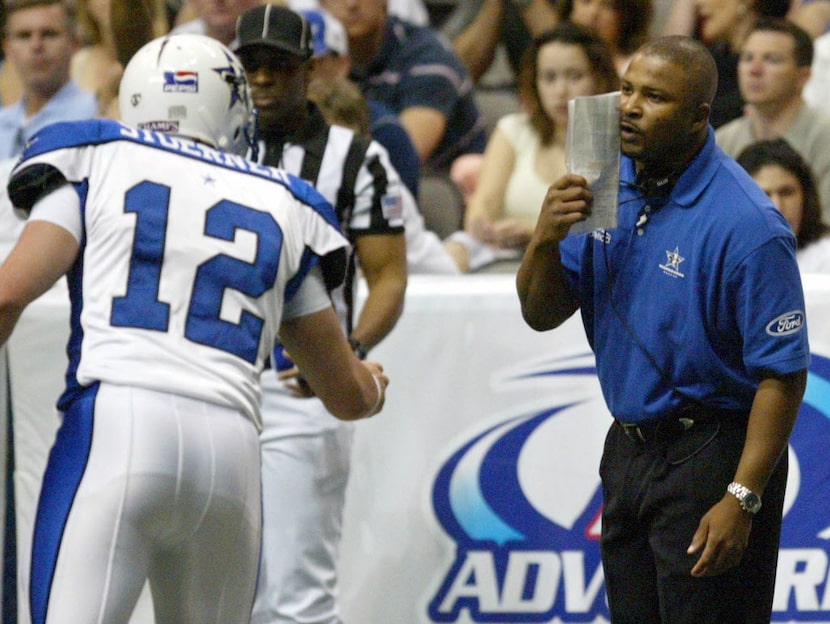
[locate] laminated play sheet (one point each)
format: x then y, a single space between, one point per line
592 150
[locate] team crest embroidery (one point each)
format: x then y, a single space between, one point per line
672 265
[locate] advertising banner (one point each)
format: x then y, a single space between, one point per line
475 496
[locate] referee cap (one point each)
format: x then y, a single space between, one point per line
276 27
327 33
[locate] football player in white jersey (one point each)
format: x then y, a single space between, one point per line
184 261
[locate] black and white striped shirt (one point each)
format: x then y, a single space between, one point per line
327 157
320 155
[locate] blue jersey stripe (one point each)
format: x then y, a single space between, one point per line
67 463
72 134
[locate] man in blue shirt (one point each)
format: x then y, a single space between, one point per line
417 75
39 42
330 64
695 312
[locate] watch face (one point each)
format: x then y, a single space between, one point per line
752 503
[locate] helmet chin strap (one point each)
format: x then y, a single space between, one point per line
251 132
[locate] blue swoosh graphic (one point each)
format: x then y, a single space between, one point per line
817 394
472 512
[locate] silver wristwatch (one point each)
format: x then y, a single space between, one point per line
750 501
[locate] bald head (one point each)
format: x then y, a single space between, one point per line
697 67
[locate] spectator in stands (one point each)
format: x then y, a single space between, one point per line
812 15
342 103
622 24
214 18
774 66
526 153
411 69
788 180
817 90
330 68
412 11
39 42
722 25
9 82
112 31
477 27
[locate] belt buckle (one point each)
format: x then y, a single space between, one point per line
687 423
634 433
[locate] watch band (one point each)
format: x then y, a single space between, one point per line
749 500
359 350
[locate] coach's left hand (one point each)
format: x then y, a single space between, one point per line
722 536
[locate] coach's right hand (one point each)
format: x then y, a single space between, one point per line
567 201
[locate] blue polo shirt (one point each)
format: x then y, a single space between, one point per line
417 68
706 295
386 129
70 103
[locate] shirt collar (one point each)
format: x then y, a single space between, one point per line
694 179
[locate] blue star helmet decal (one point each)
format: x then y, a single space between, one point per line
234 76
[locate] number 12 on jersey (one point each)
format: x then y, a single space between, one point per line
141 307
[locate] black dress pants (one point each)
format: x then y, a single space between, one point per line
655 493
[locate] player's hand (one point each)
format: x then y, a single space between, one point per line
376 369
567 202
292 380
721 538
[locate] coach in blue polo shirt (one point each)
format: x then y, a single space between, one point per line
694 308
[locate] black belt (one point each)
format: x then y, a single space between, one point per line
673 426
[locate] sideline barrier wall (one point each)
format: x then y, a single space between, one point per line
474 496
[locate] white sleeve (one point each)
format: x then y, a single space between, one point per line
310 297
61 207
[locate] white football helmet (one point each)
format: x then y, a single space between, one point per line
189 85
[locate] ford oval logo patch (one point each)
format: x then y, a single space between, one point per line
787 323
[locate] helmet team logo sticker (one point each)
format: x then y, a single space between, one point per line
520 501
181 82
234 77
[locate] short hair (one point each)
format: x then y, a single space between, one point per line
12 6
634 17
802 41
693 58
567 33
779 152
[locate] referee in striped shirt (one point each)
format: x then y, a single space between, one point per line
305 450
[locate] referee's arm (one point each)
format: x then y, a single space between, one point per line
383 262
